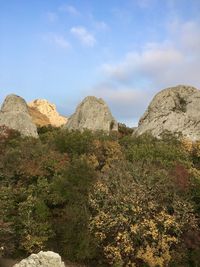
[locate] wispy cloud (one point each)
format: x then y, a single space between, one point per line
58 40
154 58
123 15
145 3
52 16
189 34
70 10
101 25
173 61
61 41
126 103
85 37
130 83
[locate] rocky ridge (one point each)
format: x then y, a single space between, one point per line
14 115
44 113
93 114
175 109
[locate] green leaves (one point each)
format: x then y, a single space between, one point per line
117 199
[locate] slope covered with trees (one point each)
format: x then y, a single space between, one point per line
102 200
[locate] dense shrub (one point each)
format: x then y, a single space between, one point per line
132 224
105 200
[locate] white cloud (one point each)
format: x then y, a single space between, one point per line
83 35
70 10
163 64
130 83
58 40
150 61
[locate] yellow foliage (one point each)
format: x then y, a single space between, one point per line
149 255
187 144
191 147
123 216
106 152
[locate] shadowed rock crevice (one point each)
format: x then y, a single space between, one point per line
38 118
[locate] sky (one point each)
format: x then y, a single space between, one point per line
124 51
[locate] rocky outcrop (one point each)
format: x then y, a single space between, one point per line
175 109
43 107
38 118
42 259
93 114
14 115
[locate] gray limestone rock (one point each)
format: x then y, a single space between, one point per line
93 114
42 259
14 115
175 109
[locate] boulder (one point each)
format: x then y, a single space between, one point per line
176 110
42 259
93 114
48 110
14 115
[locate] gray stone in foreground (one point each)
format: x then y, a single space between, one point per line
175 109
93 114
42 259
14 115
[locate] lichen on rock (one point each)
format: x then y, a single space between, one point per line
14 115
93 114
175 109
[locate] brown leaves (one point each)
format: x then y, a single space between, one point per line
181 177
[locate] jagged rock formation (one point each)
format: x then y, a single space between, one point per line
14 115
48 110
38 118
175 109
93 114
42 259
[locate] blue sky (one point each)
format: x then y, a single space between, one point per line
124 51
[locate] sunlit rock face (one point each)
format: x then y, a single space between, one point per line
93 114
38 118
14 115
48 111
42 259
175 109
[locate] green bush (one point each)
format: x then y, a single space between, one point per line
82 194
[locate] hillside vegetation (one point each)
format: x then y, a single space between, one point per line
102 200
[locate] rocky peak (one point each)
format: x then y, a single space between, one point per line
175 109
14 115
48 110
93 114
14 103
